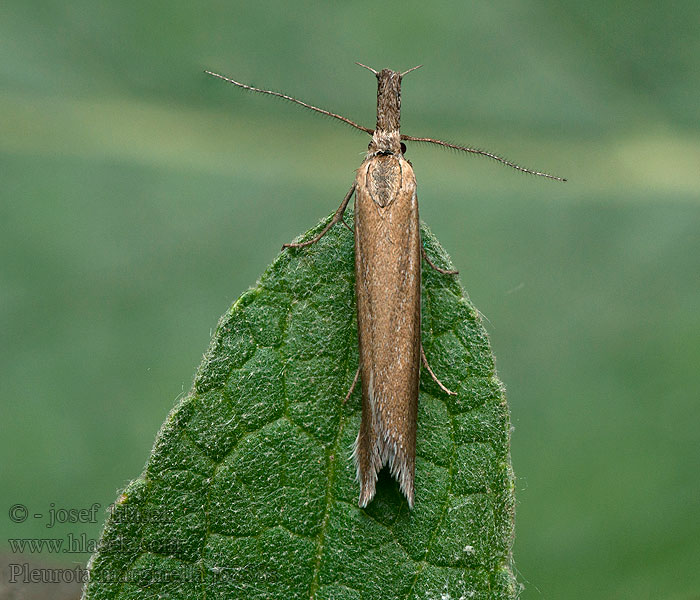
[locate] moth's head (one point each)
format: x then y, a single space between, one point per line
387 136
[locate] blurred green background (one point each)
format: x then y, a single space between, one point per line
139 198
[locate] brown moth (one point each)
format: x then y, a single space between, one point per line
388 252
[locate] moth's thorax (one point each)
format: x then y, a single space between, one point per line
385 177
386 137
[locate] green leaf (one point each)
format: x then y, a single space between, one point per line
250 490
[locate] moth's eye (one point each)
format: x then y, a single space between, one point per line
403 148
369 145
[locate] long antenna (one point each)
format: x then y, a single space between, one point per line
408 138
485 153
285 97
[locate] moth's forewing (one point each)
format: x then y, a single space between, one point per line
387 286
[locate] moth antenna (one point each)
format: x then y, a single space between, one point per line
413 69
495 157
366 67
285 97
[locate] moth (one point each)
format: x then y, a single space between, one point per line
388 253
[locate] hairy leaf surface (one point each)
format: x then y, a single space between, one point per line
250 489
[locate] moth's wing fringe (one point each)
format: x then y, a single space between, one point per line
383 450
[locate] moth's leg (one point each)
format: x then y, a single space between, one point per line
337 217
430 262
352 387
435 379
